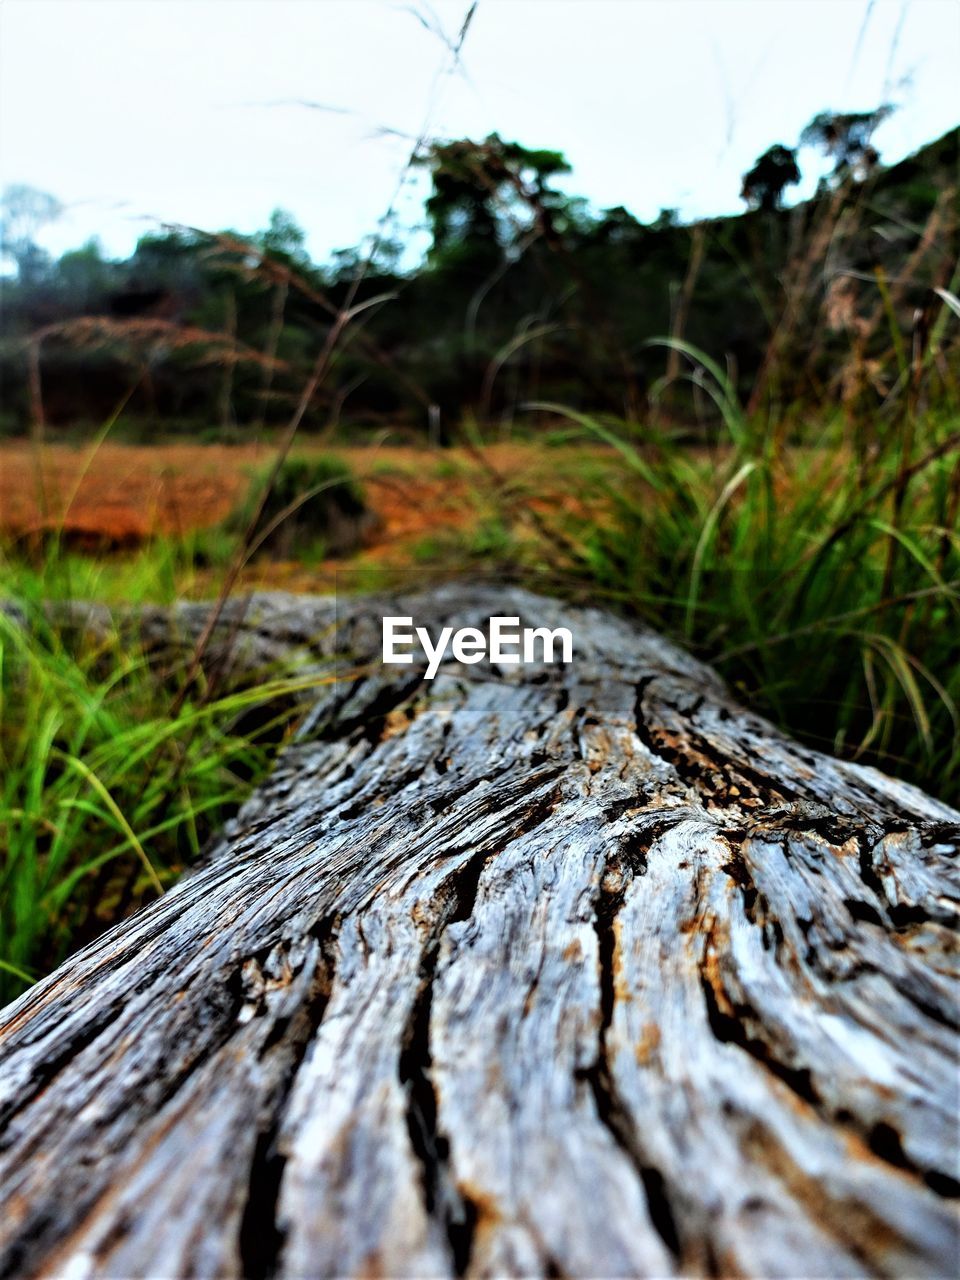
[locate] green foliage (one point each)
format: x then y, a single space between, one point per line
84 275
772 173
525 294
492 539
846 136
824 585
284 238
24 211
106 794
483 190
312 501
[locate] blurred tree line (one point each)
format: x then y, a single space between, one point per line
524 296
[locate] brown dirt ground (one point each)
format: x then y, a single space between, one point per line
120 496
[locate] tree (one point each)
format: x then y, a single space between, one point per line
83 277
284 238
574 970
774 171
170 260
24 212
485 194
847 138
666 219
613 227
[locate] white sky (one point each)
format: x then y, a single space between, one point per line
129 110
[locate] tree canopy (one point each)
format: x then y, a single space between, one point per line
484 192
772 173
847 137
525 294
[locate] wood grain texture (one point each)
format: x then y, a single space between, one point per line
560 970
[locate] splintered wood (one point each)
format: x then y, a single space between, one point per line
553 970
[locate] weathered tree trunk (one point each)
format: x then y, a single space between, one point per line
542 971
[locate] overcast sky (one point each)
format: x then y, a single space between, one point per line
187 110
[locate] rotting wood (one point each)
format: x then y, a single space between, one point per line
573 970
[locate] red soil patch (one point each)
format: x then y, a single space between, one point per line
122 495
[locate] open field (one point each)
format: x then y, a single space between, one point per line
117 498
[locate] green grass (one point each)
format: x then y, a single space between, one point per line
161 571
106 791
823 583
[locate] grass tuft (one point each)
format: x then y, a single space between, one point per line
107 793
824 586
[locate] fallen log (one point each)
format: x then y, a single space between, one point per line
542 970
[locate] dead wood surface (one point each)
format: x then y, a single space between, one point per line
571 970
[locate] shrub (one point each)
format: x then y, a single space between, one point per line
311 501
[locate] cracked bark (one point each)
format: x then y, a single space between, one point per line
551 971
